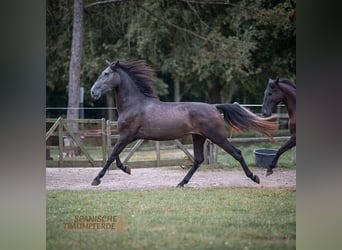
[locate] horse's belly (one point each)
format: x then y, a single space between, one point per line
165 130
167 121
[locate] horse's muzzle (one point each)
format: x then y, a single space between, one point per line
95 94
265 113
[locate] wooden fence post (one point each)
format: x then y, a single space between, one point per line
209 152
104 143
60 143
158 153
109 138
293 153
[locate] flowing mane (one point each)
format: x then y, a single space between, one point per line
288 82
141 74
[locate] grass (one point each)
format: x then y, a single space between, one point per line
173 218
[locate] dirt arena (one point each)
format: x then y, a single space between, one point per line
146 178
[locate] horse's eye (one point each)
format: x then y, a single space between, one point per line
269 93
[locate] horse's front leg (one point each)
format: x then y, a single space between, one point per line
119 146
288 145
121 166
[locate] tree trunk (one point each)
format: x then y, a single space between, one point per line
111 112
232 89
177 96
214 92
75 64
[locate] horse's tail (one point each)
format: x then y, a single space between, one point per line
241 118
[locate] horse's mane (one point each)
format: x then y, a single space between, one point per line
288 82
141 74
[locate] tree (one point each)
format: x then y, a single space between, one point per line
210 51
75 63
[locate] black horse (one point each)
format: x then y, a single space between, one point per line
143 116
281 91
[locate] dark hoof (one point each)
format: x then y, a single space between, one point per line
269 172
128 170
180 185
256 179
95 182
125 169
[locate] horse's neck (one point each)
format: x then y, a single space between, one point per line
127 95
290 101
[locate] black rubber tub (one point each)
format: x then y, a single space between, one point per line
264 156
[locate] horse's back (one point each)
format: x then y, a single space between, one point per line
188 112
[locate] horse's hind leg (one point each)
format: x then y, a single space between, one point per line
198 142
236 153
288 145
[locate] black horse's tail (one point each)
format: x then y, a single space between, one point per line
241 118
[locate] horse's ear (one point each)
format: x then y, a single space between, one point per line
114 64
276 81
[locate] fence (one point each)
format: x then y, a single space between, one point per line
68 140
99 136
102 135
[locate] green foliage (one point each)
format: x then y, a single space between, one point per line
208 47
173 218
58 33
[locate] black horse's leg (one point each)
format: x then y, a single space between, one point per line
198 142
119 146
236 153
288 145
124 168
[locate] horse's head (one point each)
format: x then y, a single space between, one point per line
272 97
108 80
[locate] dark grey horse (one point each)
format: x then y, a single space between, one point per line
281 91
143 116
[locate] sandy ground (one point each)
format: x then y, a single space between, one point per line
146 178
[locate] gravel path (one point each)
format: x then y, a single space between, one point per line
80 178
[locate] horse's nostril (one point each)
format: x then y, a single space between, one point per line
95 94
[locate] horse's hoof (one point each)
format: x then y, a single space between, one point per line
256 179
125 169
269 172
128 170
180 185
95 182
